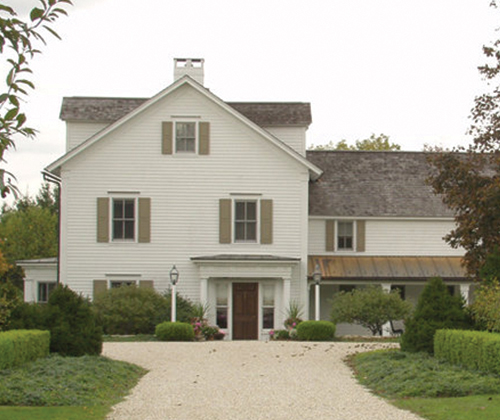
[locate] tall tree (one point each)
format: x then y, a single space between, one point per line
468 178
380 143
18 45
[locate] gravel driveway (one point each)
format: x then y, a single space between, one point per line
247 380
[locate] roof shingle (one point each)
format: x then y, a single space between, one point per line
373 184
264 114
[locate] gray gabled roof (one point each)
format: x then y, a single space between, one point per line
264 114
373 184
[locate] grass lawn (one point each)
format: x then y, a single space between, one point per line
433 389
53 413
476 407
65 388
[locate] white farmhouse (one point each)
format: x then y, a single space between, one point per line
227 193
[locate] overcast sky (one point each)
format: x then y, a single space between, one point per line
405 68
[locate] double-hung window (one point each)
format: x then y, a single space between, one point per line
44 291
124 219
268 306
222 305
245 221
345 236
185 137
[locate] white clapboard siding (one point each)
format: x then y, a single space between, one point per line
416 237
78 132
295 137
184 192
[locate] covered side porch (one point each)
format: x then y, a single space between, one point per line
406 274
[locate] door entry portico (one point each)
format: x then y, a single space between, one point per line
245 311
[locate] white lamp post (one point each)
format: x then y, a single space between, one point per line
174 277
317 280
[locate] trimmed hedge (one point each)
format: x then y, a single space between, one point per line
316 331
174 331
471 349
20 346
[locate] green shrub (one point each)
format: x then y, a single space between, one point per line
279 334
471 349
10 298
72 324
20 346
174 331
436 309
29 316
316 331
371 307
136 310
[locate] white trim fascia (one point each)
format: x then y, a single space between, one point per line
245 262
384 218
315 172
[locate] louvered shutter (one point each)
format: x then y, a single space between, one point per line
204 138
225 221
330 235
266 221
103 220
167 138
144 220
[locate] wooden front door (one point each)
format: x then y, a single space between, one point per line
245 311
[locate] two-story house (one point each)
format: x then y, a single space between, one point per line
226 193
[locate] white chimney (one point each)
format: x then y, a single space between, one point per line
189 66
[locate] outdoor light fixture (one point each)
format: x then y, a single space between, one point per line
317 280
317 274
174 278
174 275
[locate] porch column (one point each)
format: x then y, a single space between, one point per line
204 291
464 291
286 294
386 329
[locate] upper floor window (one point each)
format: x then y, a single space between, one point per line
123 218
345 236
245 221
185 137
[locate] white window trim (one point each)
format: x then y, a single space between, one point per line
233 219
354 236
196 138
124 196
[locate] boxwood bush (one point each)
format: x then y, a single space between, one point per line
136 310
474 350
316 331
174 331
20 346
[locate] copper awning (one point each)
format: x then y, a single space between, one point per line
390 268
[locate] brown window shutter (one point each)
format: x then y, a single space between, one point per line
144 220
266 221
330 235
146 284
225 221
360 236
103 219
204 138
167 138
100 286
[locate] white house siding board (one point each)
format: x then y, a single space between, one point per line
295 137
34 274
392 237
184 191
78 132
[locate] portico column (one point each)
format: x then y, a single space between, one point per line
204 291
464 291
286 294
